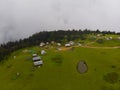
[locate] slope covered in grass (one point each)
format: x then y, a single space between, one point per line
59 70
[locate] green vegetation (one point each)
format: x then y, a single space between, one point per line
107 43
100 41
100 50
57 58
112 77
59 70
62 36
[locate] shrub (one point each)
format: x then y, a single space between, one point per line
92 38
112 77
107 88
9 66
15 76
113 66
100 41
57 58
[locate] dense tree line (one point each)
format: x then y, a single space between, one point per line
47 36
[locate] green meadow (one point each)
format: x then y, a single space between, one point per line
59 70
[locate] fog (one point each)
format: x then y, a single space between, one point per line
21 18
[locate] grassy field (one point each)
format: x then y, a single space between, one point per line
105 41
61 75
109 43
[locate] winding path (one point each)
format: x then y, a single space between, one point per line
68 48
115 47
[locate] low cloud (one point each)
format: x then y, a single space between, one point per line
21 18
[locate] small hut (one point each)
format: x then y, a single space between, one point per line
34 55
42 44
110 38
14 57
79 44
118 38
37 61
67 45
47 43
72 43
37 58
52 42
58 44
43 52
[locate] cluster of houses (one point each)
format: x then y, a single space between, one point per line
43 52
37 61
110 38
70 43
118 38
106 38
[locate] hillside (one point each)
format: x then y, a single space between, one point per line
98 51
62 36
18 73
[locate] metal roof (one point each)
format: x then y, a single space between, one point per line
37 63
34 55
36 58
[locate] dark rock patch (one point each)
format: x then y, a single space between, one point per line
82 67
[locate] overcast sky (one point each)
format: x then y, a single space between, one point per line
21 18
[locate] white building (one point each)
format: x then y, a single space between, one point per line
52 42
42 44
110 37
67 45
38 63
59 44
34 55
71 43
37 58
79 44
118 38
47 43
43 52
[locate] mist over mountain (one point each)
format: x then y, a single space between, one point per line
22 18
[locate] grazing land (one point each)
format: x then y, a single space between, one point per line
59 71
